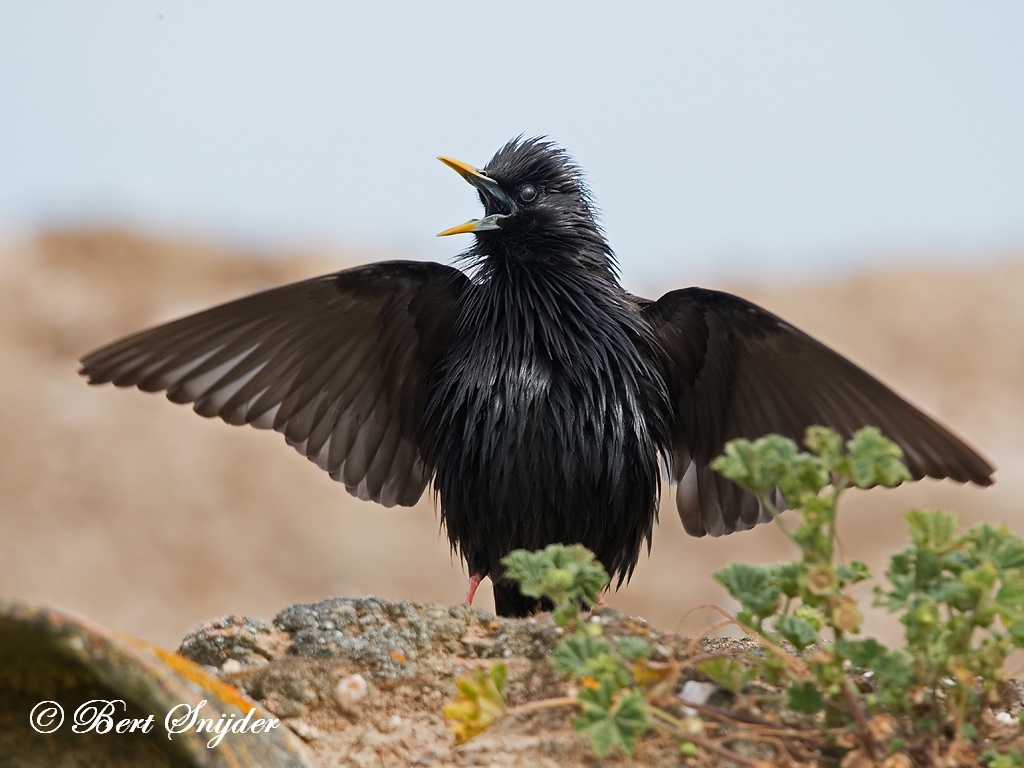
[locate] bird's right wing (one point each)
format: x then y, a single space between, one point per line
337 363
736 370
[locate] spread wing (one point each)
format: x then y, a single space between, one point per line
336 363
736 370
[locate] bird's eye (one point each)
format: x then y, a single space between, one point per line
527 193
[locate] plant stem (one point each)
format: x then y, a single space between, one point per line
665 723
796 666
714 628
701 607
833 537
724 751
751 720
701 658
860 716
533 706
776 516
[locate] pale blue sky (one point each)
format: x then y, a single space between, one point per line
720 138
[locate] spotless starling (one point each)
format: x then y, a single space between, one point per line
538 396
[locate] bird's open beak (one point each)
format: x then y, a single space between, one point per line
490 190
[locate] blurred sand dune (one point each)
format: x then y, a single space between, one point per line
150 519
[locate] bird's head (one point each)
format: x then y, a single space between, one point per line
536 207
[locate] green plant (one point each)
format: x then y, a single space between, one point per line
960 596
617 686
1011 759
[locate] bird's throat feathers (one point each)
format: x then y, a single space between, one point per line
496 252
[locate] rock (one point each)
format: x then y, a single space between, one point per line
372 678
102 679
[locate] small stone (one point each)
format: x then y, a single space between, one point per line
695 693
231 667
349 692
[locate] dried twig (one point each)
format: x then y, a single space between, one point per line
666 723
534 706
860 716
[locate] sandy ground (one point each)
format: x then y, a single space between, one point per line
150 519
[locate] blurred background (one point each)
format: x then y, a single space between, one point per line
856 169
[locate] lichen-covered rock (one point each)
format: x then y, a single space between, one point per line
409 655
381 639
238 638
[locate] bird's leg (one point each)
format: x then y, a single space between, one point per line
601 603
474 582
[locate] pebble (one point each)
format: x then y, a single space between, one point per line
349 692
695 693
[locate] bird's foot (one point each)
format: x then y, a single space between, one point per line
601 603
474 582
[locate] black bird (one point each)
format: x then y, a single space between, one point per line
534 391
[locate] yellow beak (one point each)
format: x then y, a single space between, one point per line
490 190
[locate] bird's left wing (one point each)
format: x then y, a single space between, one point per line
735 370
337 363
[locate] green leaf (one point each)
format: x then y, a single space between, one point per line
1016 630
565 615
811 615
731 674
757 466
1009 601
574 653
855 572
563 574
874 460
894 670
772 462
804 478
932 529
753 586
805 698
746 465
786 576
633 648
611 718
610 669
827 444
798 631
1013 758
997 545
862 653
